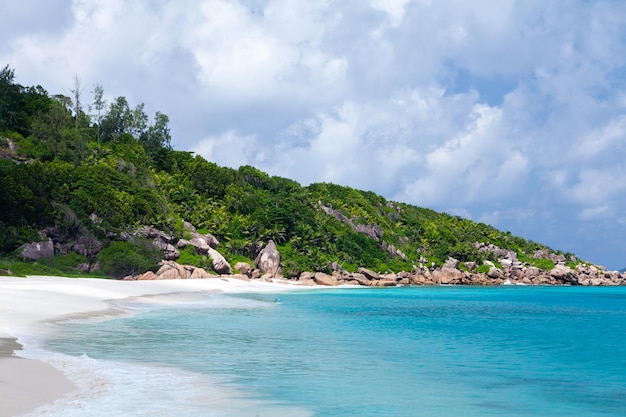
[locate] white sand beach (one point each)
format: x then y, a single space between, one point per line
25 303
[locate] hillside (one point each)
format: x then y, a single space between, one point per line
89 184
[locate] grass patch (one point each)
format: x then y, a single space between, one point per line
60 265
189 256
483 269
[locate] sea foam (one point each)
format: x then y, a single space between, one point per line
117 388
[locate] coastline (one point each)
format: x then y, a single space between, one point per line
26 303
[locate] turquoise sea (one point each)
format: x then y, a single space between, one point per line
412 351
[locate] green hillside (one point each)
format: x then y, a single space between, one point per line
88 173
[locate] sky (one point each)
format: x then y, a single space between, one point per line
511 113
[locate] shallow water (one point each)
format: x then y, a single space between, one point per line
443 351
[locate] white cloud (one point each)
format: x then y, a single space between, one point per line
230 149
609 137
598 212
476 104
596 186
476 164
393 8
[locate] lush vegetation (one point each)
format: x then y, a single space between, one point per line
94 172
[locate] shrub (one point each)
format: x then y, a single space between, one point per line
129 258
545 264
483 269
189 256
66 263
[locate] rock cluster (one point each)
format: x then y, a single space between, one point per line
449 274
267 264
452 275
172 270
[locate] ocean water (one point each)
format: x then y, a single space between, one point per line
412 351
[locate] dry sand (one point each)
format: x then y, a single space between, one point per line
25 302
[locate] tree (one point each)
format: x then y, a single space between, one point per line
98 104
76 92
12 112
158 135
139 122
118 120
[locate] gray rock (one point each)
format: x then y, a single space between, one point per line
470 266
360 278
321 278
153 233
451 263
564 273
201 244
219 263
199 273
369 274
88 245
182 243
243 267
170 253
532 272
38 250
506 263
494 272
188 226
447 275
268 260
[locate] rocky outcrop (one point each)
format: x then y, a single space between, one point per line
243 267
447 276
161 240
564 274
451 274
321 278
371 275
373 231
267 267
219 263
37 250
170 252
172 270
268 260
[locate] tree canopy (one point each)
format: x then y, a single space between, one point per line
111 171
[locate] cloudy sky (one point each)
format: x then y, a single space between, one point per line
508 112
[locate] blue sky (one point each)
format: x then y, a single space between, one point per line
512 113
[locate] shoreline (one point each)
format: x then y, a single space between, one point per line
26 303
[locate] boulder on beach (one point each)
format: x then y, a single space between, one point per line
268 260
219 263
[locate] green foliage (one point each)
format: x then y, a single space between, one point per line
66 263
110 172
60 265
542 264
120 259
189 256
22 269
483 269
